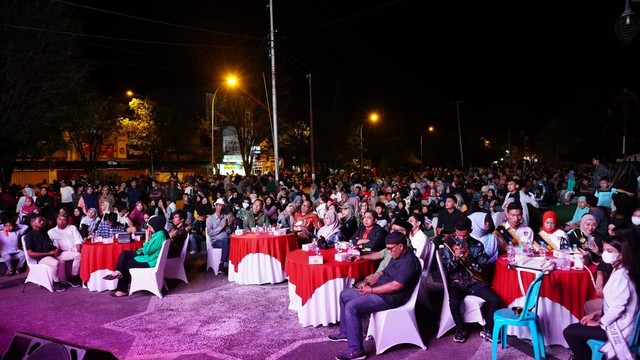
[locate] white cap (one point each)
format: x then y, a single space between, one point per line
219 201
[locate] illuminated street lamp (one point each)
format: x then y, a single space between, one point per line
429 129
231 81
373 117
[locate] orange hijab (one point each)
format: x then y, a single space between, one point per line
549 215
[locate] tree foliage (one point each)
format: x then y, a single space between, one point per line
250 120
92 124
38 66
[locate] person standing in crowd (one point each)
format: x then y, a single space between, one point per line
598 172
391 289
66 196
615 322
515 194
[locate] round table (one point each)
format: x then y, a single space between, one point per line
314 289
259 258
100 259
562 298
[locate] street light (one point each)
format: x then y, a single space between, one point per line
373 117
429 129
231 81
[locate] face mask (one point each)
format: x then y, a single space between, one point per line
609 257
635 220
245 205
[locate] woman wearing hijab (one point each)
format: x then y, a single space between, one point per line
106 200
331 229
482 230
88 200
137 215
145 257
581 209
271 209
202 212
89 224
27 208
77 215
550 237
589 242
26 192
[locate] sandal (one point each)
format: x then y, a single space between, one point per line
112 277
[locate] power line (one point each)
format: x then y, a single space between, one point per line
158 22
124 39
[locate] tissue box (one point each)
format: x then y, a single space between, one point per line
342 256
558 253
315 259
308 247
239 232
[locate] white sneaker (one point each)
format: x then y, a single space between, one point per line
192 252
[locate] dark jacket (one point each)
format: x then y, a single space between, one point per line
376 237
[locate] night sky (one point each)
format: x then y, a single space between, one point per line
515 66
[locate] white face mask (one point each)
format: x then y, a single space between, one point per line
245 205
635 220
609 257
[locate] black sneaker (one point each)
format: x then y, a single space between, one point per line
74 281
352 356
338 337
488 336
58 286
460 336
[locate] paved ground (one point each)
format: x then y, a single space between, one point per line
94 319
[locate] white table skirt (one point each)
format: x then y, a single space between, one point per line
97 283
554 318
256 269
323 308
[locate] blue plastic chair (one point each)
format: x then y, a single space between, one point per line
504 318
595 345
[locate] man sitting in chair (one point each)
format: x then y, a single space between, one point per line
40 247
466 265
391 289
67 238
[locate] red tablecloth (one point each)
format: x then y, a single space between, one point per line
98 256
570 288
307 278
277 246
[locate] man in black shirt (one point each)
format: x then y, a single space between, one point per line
448 217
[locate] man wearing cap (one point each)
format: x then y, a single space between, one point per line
348 220
448 217
391 289
466 265
219 229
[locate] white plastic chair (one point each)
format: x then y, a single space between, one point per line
396 326
174 268
150 279
428 254
471 306
39 274
214 255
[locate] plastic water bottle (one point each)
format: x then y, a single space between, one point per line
575 248
511 253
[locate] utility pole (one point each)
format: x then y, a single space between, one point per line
273 94
457 103
313 158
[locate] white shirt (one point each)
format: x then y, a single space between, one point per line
555 237
65 239
523 232
419 241
620 302
66 194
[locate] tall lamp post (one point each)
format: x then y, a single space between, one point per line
429 129
231 81
457 103
373 117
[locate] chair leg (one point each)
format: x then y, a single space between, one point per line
497 330
541 343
